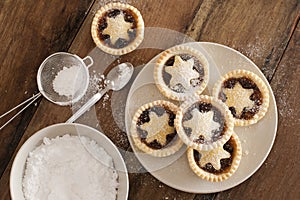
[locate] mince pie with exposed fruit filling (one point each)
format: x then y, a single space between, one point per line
204 123
245 94
180 72
117 28
217 164
153 130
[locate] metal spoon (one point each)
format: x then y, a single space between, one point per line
117 78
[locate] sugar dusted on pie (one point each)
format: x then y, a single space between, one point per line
246 95
219 163
117 28
239 98
157 128
182 72
202 123
153 130
213 157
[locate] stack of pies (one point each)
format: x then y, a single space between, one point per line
203 123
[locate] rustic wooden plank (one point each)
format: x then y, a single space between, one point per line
151 188
278 178
45 116
174 16
82 45
206 26
258 29
155 13
30 31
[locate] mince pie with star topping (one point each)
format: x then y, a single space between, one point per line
180 72
117 28
153 129
246 95
217 164
204 123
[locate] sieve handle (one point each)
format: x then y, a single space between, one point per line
88 105
90 59
30 100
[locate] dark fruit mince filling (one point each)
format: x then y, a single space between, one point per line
197 66
144 118
129 16
218 117
225 163
246 83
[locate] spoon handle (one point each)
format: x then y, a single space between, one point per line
88 105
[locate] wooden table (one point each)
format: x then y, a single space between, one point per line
268 32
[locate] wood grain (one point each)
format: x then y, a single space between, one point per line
262 30
30 31
258 29
279 174
82 45
264 41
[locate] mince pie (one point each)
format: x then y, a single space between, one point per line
180 72
217 164
204 123
117 28
153 129
246 95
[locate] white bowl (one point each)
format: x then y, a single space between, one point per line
18 167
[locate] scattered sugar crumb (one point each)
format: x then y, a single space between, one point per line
246 152
106 97
96 84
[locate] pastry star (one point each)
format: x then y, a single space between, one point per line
202 124
213 157
117 28
157 128
182 72
239 98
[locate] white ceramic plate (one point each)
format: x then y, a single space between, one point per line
257 139
35 140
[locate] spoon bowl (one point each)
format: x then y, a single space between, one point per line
120 75
117 78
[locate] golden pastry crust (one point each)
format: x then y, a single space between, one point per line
119 23
204 122
152 131
251 103
188 76
225 173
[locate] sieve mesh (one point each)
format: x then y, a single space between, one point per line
49 70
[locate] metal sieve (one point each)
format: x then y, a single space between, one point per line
47 73
50 68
